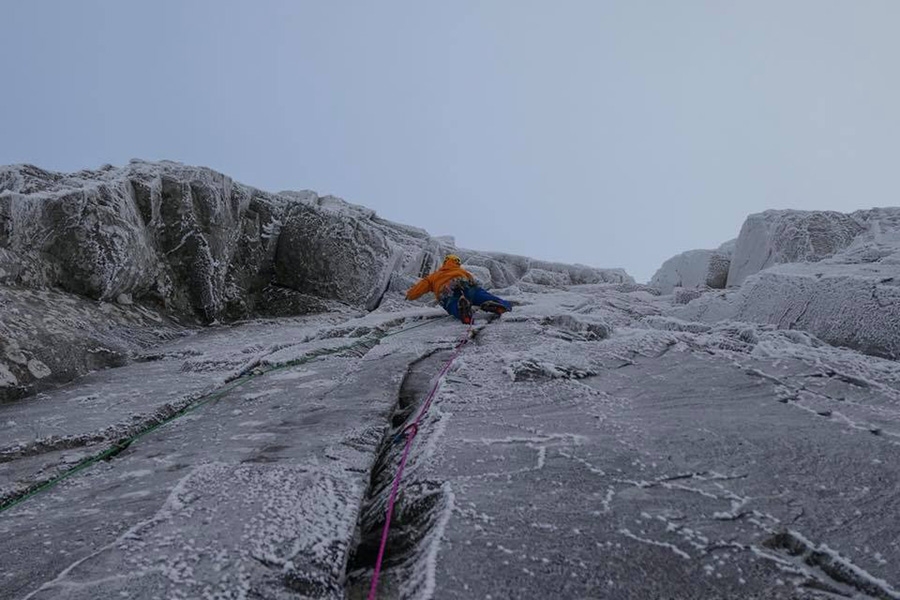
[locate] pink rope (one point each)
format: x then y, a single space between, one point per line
411 432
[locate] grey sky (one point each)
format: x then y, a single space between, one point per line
612 133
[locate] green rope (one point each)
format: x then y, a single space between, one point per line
124 443
428 321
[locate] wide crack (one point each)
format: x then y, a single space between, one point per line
419 504
828 570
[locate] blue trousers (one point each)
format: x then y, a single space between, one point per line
474 294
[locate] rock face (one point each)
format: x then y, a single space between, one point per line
196 242
509 269
628 445
694 268
843 305
335 255
49 337
851 298
786 236
584 445
830 274
188 239
192 244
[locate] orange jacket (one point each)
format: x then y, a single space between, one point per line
438 280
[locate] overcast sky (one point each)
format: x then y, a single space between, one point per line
610 133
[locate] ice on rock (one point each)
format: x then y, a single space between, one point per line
164 245
831 274
335 254
709 443
844 305
692 269
787 236
547 278
508 269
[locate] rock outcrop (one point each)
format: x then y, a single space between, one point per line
831 274
49 337
693 269
190 244
594 438
844 305
187 239
786 236
196 242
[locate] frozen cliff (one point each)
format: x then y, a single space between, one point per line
163 245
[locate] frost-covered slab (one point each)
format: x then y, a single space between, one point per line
49 337
256 493
665 459
583 442
845 305
289 530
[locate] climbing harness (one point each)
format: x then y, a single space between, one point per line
120 445
409 432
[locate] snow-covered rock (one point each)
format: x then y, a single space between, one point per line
187 238
843 289
691 269
192 244
196 242
49 337
786 236
548 278
684 296
849 299
585 441
844 305
336 255
629 445
481 274
508 269
878 242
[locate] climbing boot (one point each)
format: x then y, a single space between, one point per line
493 307
465 310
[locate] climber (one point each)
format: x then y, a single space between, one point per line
457 291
